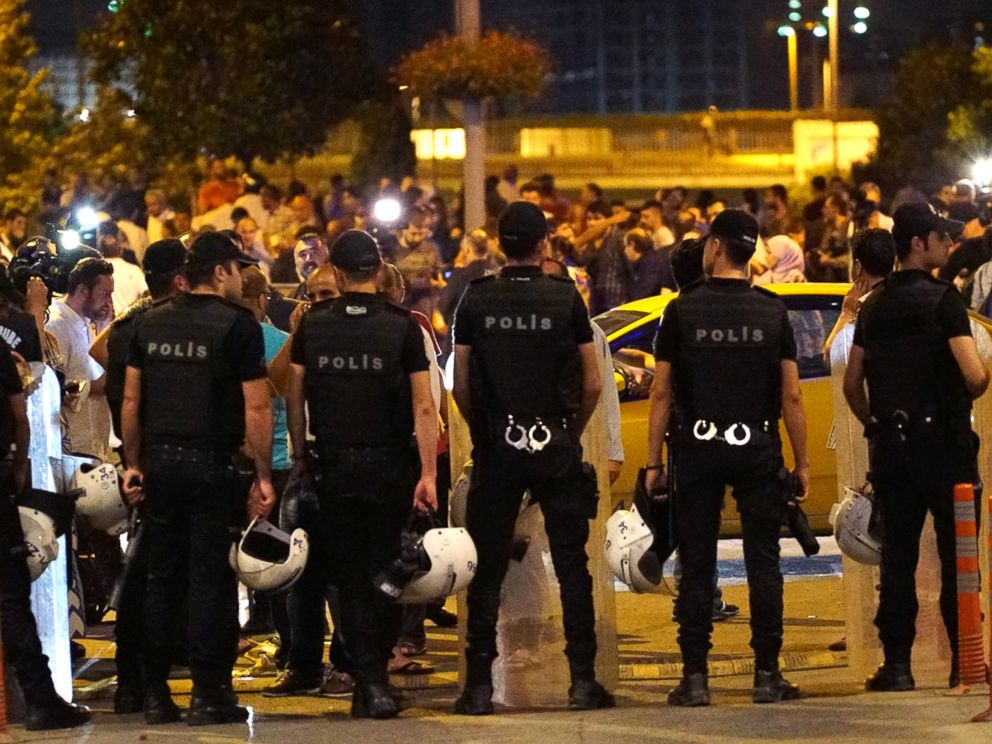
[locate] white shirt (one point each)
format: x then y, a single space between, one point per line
662 237
137 237
129 283
253 203
156 225
87 416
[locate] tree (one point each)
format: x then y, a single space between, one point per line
970 128
250 78
384 146
935 84
26 112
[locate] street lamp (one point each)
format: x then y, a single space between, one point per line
790 36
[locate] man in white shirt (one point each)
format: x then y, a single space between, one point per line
129 280
652 220
158 214
91 285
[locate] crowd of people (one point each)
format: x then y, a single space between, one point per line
181 361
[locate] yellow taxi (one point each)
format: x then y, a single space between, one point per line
813 310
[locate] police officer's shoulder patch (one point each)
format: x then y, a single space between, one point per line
135 309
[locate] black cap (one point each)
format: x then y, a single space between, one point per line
522 224
736 224
355 250
216 247
918 219
163 257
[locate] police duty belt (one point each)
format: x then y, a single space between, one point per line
530 440
736 435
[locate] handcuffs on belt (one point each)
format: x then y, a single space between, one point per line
527 439
706 431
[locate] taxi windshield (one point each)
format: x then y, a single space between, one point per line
613 320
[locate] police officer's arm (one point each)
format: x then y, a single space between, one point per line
296 417
12 386
658 419
854 384
131 431
249 357
976 376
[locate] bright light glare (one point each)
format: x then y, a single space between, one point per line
861 12
786 31
795 17
820 31
981 171
387 211
70 239
795 4
87 218
860 27
827 11
84 115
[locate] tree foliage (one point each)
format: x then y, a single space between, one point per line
250 78
26 112
933 122
384 146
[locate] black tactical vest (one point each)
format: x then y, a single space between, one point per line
525 361
118 343
190 392
908 362
729 363
356 388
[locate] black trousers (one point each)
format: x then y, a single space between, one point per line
21 645
191 511
912 477
307 597
500 476
703 471
366 498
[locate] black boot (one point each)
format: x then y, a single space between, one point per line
373 700
477 697
128 698
475 700
691 692
55 713
771 687
588 694
220 705
891 678
159 708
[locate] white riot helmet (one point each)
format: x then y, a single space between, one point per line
268 559
39 540
100 501
853 524
449 560
628 552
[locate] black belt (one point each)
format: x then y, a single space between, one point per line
191 455
734 433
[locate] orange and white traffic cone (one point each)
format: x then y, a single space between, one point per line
971 650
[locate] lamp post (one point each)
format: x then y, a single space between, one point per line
833 28
790 36
468 20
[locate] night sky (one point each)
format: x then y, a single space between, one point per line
396 26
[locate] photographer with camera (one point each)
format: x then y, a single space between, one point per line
359 366
726 366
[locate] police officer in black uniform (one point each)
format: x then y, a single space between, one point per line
21 645
360 367
913 346
195 389
164 266
726 371
527 382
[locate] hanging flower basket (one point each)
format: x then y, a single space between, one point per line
498 65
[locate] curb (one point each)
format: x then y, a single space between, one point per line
791 662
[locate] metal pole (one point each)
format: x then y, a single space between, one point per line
793 72
833 27
468 19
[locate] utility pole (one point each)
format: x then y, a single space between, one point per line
468 23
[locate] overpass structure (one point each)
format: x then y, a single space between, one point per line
721 150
